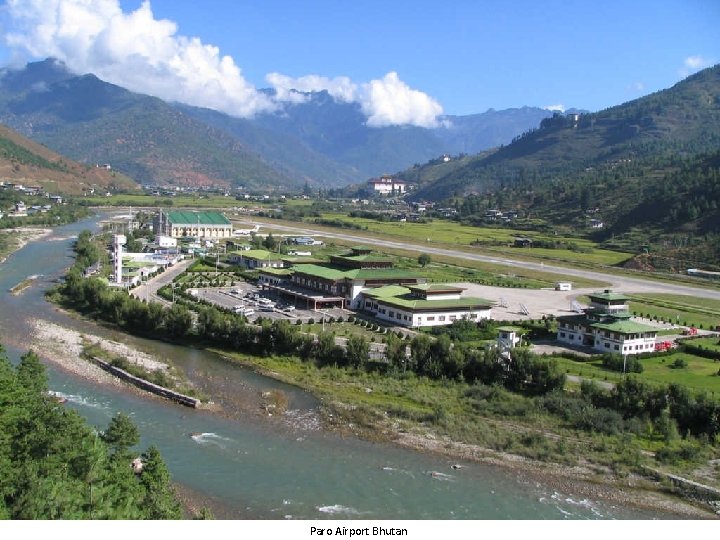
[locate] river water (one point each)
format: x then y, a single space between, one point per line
252 466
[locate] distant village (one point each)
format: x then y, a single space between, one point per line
20 209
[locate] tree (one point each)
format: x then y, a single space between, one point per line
121 433
178 321
424 259
396 352
159 501
357 351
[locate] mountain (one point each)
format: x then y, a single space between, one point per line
682 120
96 122
477 132
318 140
29 163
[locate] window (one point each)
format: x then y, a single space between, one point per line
607 345
617 347
441 318
429 319
562 334
453 317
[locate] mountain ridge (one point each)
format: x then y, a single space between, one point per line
320 141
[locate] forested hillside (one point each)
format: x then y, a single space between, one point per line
678 122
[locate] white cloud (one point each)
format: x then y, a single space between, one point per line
385 102
694 63
636 87
144 54
340 88
389 101
559 107
134 50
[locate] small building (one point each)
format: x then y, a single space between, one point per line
165 241
563 286
523 242
423 305
607 326
386 185
596 224
509 337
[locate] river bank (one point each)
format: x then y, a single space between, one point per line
18 237
590 480
64 347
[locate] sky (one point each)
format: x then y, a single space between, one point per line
404 62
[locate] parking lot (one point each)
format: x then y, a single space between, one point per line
252 302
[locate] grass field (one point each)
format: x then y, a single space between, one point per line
700 375
696 311
442 231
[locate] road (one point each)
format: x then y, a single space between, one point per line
148 290
618 283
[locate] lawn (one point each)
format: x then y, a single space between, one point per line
699 375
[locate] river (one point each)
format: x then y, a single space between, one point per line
252 466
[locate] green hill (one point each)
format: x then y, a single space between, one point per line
680 121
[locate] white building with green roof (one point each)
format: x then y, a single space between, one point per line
422 305
607 326
206 224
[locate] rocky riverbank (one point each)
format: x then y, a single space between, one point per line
18 237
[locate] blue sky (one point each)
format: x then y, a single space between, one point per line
403 61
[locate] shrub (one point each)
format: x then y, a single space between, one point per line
679 363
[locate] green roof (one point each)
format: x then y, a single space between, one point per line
326 272
435 287
516 329
608 296
380 273
260 255
208 217
277 271
395 295
319 271
387 291
624 327
364 258
414 303
138 264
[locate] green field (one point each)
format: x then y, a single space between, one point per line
695 311
441 231
701 374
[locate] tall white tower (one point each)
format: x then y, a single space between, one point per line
119 240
